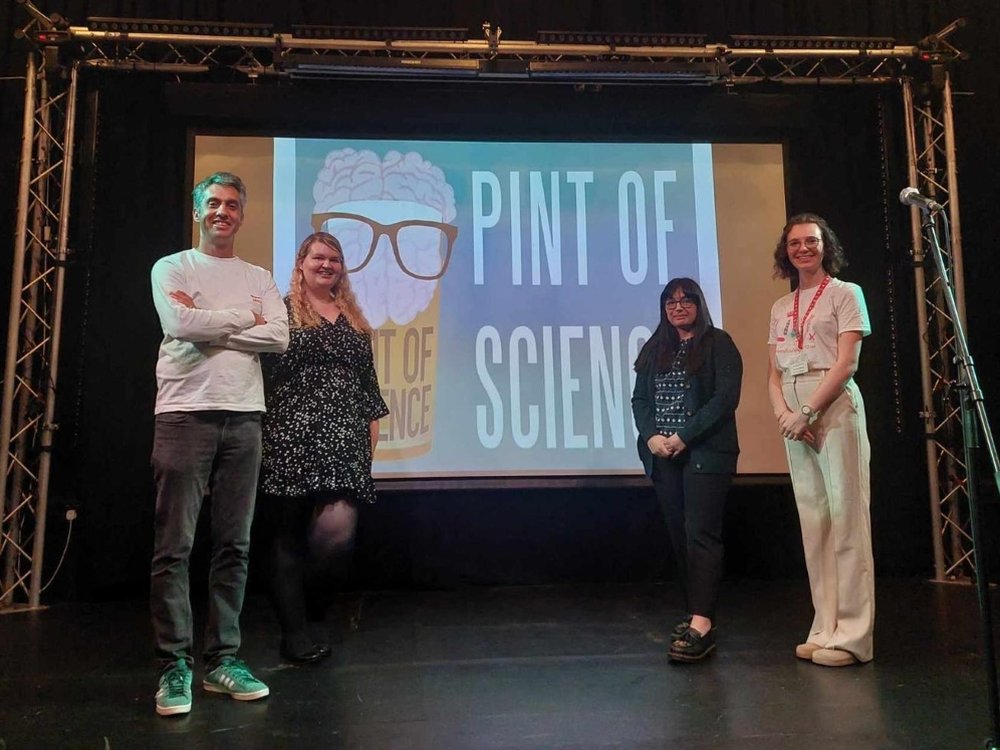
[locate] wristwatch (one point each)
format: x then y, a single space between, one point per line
809 412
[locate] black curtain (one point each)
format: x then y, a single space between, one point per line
844 156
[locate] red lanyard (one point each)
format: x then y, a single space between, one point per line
800 333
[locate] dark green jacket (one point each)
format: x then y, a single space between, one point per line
711 397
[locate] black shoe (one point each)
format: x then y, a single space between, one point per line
301 651
317 633
692 646
680 628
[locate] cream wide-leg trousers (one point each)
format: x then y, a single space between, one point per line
832 492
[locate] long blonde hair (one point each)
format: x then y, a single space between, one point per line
302 313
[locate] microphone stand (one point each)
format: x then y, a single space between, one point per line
974 425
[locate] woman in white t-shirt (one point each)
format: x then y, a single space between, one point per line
815 343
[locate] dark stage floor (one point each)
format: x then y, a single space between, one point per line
532 667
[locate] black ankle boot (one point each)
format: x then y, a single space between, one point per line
300 649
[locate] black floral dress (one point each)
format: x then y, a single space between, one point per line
322 394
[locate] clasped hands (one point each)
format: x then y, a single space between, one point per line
795 426
188 301
665 447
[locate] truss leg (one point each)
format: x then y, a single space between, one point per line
31 364
946 467
47 428
10 486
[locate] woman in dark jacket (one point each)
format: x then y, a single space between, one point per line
687 387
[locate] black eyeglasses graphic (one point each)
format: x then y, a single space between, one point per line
409 239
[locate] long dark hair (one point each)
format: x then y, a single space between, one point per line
657 354
834 259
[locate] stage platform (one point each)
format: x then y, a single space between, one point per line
525 667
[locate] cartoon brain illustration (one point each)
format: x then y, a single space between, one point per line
392 216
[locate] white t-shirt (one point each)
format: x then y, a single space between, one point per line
208 358
840 308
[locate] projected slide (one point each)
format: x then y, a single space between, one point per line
511 285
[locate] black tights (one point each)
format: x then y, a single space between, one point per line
310 552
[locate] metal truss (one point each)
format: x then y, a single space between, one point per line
27 419
878 67
31 365
930 138
827 60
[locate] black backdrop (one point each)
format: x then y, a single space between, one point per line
131 208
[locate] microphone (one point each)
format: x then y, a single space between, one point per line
910 196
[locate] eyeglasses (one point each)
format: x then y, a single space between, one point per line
685 302
422 248
810 242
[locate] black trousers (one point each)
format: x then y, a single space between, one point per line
693 506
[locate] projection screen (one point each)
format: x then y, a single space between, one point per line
512 283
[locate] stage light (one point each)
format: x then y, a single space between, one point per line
621 40
627 71
501 68
176 27
53 36
328 66
753 41
381 33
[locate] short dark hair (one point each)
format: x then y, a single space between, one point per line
834 259
226 179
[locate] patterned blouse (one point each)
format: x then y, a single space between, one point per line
669 391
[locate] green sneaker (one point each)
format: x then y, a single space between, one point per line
234 678
174 695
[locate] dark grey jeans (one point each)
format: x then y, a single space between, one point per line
194 453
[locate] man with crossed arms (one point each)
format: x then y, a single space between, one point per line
218 313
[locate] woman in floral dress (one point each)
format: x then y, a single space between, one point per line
320 432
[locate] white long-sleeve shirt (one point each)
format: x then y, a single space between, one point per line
208 358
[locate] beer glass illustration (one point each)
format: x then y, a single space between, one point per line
392 218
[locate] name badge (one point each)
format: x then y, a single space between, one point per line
799 365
